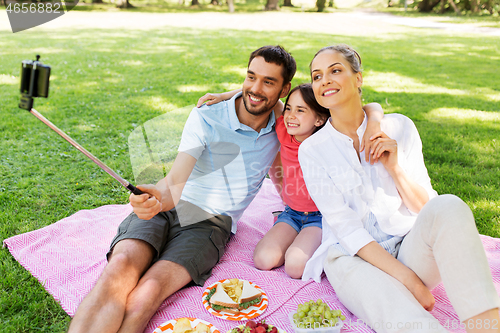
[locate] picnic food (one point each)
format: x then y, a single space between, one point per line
183 325
220 300
202 328
233 289
314 314
254 327
233 295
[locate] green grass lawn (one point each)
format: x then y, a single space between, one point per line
105 83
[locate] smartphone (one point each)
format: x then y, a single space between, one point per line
34 82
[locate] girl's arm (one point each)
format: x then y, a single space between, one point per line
210 99
276 175
374 113
380 258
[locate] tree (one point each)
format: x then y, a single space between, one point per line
230 4
488 6
320 4
459 6
475 6
427 5
455 8
123 4
288 3
272 5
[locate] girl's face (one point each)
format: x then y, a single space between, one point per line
300 120
333 81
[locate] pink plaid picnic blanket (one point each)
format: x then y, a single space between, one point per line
67 257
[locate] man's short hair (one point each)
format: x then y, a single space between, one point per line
279 56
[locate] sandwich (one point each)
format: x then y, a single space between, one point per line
249 294
233 295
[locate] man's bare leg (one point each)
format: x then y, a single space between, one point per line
162 280
103 309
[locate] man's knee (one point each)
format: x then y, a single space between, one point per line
146 296
116 270
130 253
120 262
123 266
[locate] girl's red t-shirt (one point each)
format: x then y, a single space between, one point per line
294 190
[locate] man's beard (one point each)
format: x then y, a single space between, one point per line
257 111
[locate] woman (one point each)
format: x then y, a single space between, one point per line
388 239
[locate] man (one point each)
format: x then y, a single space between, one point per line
159 249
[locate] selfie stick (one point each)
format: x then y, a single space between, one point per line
27 103
94 159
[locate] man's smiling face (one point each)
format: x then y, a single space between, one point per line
263 86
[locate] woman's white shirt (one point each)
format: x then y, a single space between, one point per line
346 189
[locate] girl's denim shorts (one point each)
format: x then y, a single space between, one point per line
299 220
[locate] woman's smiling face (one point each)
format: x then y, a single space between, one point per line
333 81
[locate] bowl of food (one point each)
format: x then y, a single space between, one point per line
256 327
186 325
316 317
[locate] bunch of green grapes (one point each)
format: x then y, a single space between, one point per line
316 314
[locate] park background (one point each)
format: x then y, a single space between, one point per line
115 69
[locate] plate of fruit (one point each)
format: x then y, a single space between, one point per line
186 325
256 327
316 316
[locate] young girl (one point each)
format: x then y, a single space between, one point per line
388 239
296 233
